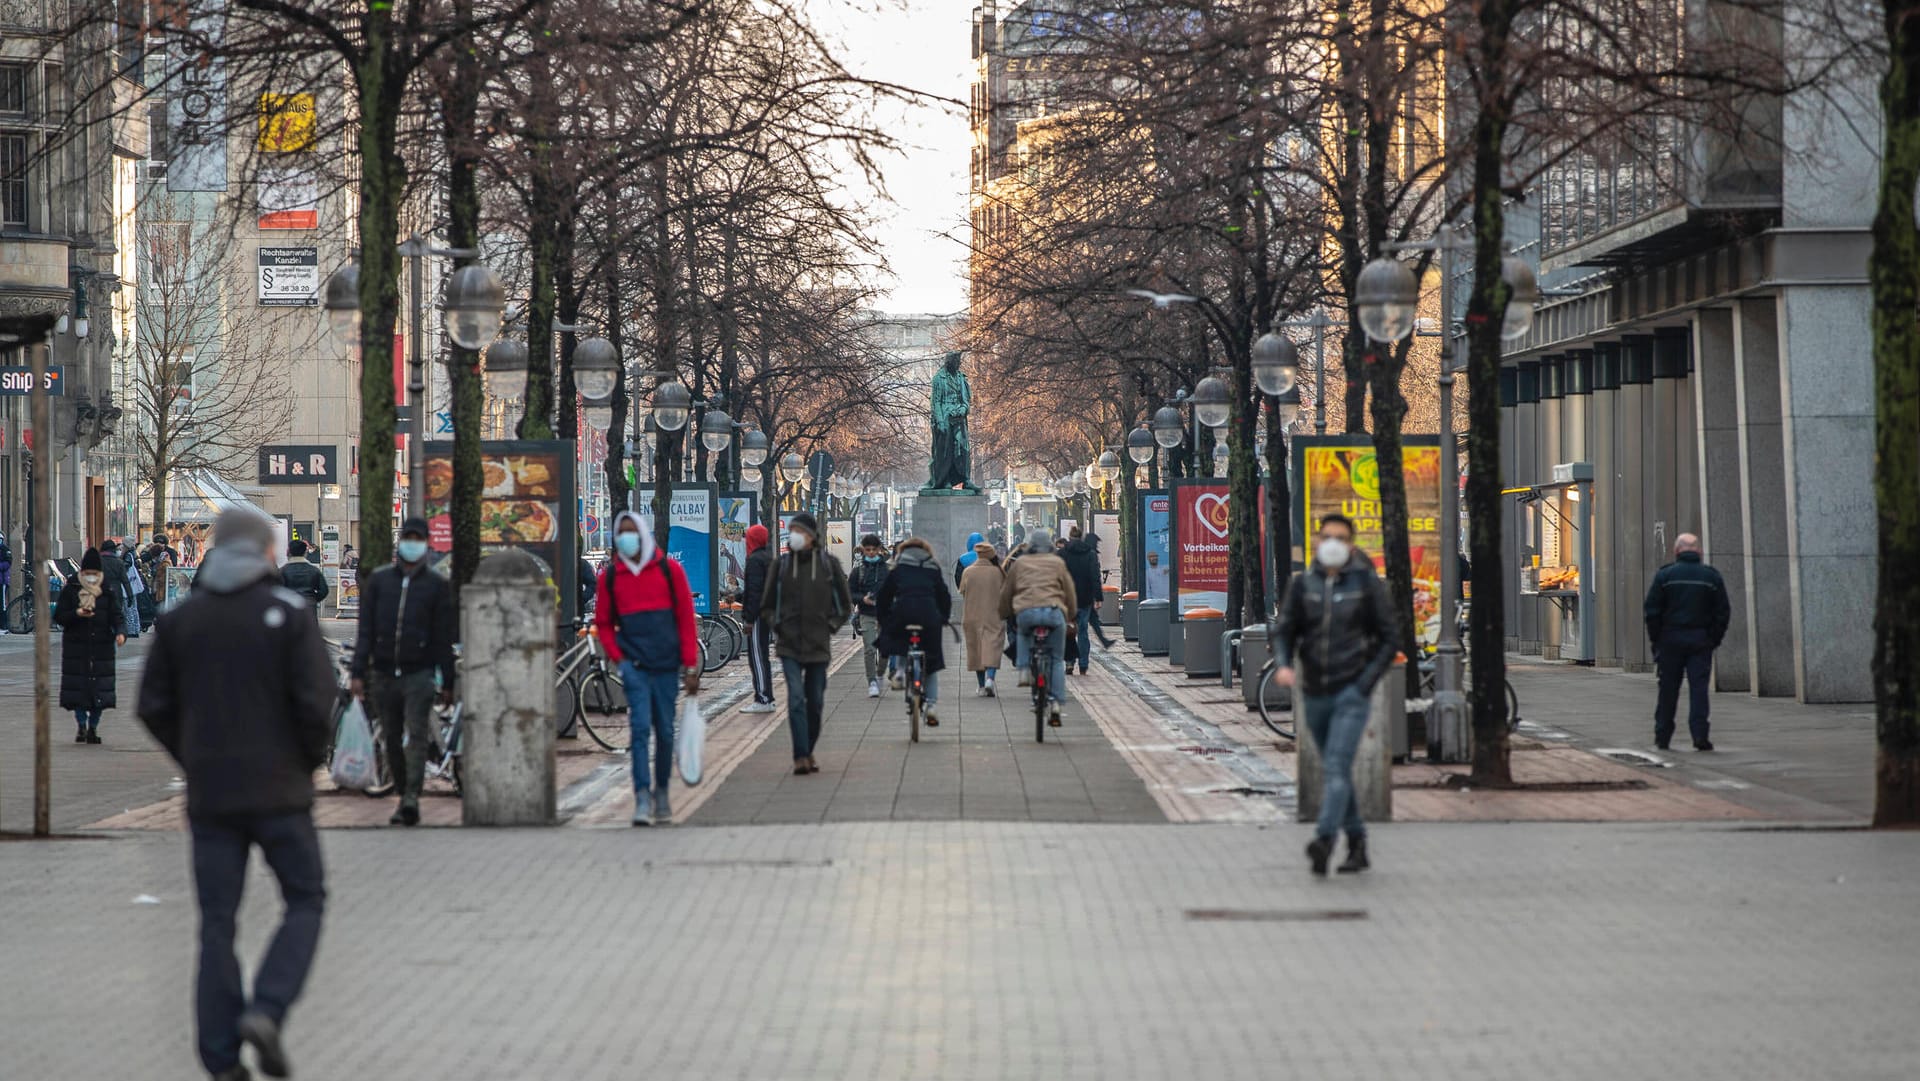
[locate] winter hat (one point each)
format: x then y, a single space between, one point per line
90 561
756 537
1039 538
805 521
109 546
245 529
416 525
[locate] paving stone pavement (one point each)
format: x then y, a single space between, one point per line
983 950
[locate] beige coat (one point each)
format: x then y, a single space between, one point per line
1037 580
980 586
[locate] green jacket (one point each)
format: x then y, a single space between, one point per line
809 601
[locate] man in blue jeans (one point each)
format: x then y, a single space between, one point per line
1336 628
1038 592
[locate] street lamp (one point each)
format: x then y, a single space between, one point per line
1211 405
750 475
753 449
792 467
1387 295
716 430
343 303
1289 406
596 370
1109 467
671 404
1522 297
507 368
1140 446
1168 427
1275 363
475 302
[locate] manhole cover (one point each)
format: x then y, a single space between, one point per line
1632 757
750 863
1274 915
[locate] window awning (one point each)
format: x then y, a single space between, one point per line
200 495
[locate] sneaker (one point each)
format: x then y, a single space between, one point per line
933 719
1026 679
1698 744
263 1033
662 809
757 707
1053 715
990 693
643 808
873 688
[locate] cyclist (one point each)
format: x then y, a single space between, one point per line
869 574
1039 592
644 615
916 594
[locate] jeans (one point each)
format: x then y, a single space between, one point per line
1086 621
404 705
981 678
869 651
220 847
806 698
759 636
1337 722
1682 653
650 700
89 719
929 681
1030 618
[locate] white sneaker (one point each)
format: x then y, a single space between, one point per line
896 683
873 688
990 693
1026 679
757 707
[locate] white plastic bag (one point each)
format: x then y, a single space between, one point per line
691 740
353 763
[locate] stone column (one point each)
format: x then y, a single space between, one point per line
1722 525
1602 446
1770 648
507 633
1631 527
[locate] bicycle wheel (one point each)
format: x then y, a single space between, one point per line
566 706
1040 667
1513 707
603 709
717 642
20 615
1270 714
382 773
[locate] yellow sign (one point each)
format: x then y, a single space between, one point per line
286 123
1345 479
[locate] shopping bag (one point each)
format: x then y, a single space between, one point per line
692 740
353 763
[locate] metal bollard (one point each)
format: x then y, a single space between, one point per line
1229 654
1155 632
506 685
1130 617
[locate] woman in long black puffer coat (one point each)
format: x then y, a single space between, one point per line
90 612
915 594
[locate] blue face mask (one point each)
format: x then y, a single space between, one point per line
413 551
874 559
628 544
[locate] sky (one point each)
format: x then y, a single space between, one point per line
922 44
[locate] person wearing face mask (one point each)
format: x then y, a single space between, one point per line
90 612
408 627
808 598
644 616
869 574
753 586
1335 636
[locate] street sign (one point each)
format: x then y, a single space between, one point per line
820 466
289 277
17 380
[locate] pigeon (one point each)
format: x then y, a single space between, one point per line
1163 301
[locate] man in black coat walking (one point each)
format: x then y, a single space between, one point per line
1687 614
301 576
759 629
408 626
1082 554
239 691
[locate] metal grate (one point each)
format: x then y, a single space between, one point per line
1275 915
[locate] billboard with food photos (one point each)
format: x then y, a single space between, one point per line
527 501
1341 474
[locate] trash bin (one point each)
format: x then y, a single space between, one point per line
1203 627
1130 616
1154 632
1176 641
1256 646
1109 605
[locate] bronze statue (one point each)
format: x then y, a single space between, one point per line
952 455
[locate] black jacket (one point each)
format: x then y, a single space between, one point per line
1083 563
307 580
239 690
864 579
806 600
394 641
1336 631
754 582
915 593
1688 595
87 646
115 569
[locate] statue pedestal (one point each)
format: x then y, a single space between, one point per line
944 519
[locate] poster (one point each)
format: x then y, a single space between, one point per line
196 96
1339 474
691 539
526 502
1156 537
289 277
1200 520
786 520
287 197
1106 526
840 540
735 515
286 123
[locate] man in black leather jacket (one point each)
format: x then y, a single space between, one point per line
1336 628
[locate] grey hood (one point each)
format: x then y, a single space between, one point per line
239 555
915 556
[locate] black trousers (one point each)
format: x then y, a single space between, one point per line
1678 654
404 706
221 844
759 637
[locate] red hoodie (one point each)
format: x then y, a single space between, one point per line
646 591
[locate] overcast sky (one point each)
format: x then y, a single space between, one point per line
922 44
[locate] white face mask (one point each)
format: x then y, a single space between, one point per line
798 541
1333 553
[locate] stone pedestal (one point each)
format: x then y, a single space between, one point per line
1372 762
506 683
945 520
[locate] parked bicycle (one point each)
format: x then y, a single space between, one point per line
721 637
589 692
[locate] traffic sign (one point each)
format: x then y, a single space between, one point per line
820 466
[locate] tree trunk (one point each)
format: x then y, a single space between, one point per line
1279 506
383 181
160 500
459 112
543 226
566 294
1246 595
1486 306
1389 409
1893 269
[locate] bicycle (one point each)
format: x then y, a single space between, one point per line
1265 689
1428 673
914 675
1039 667
592 692
448 746
720 639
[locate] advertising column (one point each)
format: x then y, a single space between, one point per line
1155 550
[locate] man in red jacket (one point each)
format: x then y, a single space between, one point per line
644 616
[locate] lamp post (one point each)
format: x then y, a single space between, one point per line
596 375
1387 296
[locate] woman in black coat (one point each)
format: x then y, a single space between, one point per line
915 594
90 612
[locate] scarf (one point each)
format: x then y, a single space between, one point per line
90 584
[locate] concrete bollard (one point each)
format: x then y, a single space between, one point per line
1372 762
506 681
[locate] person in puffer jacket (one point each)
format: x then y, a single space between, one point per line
643 613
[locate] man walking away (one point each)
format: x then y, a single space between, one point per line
869 574
1038 592
759 629
807 596
1687 613
301 576
644 616
1336 628
408 626
239 690
114 567
1083 563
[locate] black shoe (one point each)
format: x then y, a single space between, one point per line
405 816
1663 745
1356 857
263 1033
1703 745
94 737
80 736
233 1073
1320 850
